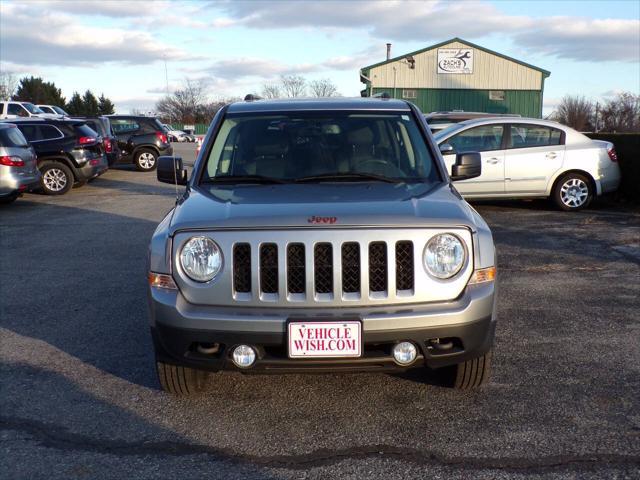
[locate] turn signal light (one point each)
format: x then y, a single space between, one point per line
483 275
162 280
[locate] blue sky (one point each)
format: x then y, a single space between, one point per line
118 48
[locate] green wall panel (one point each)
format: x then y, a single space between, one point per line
524 102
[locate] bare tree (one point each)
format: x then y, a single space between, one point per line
575 112
622 113
184 105
8 85
293 85
323 88
271 90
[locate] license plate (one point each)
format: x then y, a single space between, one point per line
325 339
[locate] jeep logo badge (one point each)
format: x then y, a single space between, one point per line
323 220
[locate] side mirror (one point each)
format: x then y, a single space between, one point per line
446 148
468 165
170 170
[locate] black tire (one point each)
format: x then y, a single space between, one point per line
181 381
572 191
57 178
8 199
146 160
470 374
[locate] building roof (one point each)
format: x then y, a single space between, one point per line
302 104
544 72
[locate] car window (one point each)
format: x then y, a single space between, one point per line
46 109
527 136
294 145
17 109
483 138
12 137
30 132
124 125
59 111
49 132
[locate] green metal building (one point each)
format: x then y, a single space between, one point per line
459 75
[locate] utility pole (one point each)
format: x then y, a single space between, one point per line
597 112
166 72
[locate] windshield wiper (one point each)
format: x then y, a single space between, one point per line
345 177
233 179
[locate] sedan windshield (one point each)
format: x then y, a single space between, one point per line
59 111
313 147
31 108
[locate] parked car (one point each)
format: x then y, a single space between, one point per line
141 140
440 120
53 109
102 125
526 158
190 137
175 135
321 235
18 168
69 152
21 110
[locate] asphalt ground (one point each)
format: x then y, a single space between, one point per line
79 397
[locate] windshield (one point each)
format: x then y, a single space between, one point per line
321 146
31 108
59 111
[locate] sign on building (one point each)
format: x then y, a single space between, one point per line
455 60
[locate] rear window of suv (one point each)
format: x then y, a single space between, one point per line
292 146
12 137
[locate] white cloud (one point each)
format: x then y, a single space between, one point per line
235 68
32 37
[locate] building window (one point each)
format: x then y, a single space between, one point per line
497 95
409 94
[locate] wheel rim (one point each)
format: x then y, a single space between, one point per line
574 192
55 179
146 160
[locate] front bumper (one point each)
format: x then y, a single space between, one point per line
178 327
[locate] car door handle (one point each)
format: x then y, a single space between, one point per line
493 160
551 155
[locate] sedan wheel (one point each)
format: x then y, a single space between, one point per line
573 192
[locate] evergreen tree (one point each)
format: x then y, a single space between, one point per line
105 106
37 91
75 105
90 104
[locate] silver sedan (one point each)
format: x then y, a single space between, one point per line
528 158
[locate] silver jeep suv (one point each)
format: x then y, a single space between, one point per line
321 235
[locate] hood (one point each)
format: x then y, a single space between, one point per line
321 205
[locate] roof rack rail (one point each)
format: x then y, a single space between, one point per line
382 95
252 97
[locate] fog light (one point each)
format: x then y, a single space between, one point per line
404 353
244 356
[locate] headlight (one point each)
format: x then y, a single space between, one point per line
201 259
444 255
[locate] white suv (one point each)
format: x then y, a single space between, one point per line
22 109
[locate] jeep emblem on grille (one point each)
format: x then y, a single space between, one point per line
315 219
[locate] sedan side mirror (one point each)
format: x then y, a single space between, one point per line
468 165
446 148
170 170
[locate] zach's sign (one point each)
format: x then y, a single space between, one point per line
455 60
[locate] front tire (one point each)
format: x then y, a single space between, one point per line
180 381
57 178
146 160
572 191
470 374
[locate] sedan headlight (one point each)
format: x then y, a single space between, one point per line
201 259
444 255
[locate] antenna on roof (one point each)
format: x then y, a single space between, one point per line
251 97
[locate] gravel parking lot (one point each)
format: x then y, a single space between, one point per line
79 397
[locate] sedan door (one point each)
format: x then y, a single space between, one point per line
486 140
534 153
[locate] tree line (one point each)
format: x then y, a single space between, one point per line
618 114
35 90
190 104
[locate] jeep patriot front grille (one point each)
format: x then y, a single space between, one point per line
320 271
